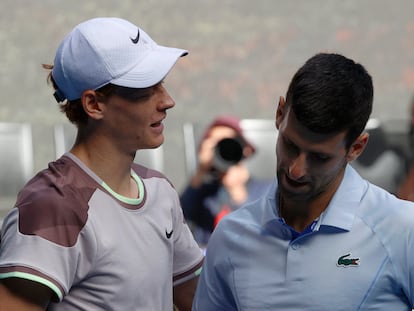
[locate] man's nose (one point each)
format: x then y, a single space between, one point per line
168 102
298 167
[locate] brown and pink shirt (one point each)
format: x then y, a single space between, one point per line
95 249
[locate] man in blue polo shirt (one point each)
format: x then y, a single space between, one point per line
322 238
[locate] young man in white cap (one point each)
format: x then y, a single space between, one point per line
95 231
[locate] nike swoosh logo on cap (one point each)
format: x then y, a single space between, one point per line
135 41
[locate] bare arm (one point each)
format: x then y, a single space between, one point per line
24 295
184 294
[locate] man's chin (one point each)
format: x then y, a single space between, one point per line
288 193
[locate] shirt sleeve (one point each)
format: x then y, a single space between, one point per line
215 286
32 256
188 256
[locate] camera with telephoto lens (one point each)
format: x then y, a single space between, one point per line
228 152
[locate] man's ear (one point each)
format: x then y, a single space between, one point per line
280 111
357 147
91 104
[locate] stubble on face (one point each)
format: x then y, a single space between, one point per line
320 177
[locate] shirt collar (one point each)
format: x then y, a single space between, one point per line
340 212
270 206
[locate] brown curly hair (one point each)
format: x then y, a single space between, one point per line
73 109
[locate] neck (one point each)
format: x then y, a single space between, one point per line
300 214
114 169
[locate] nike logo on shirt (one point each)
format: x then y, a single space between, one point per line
169 234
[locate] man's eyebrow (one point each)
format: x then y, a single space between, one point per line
315 152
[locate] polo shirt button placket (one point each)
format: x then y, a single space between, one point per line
295 246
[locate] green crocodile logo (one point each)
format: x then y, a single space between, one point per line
346 262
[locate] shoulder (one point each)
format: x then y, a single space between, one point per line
258 211
257 187
247 220
382 210
54 204
391 221
381 200
147 174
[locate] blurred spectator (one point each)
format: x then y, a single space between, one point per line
406 188
382 162
222 182
411 126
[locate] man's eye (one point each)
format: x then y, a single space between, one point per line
320 157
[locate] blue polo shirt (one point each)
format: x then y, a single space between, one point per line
356 256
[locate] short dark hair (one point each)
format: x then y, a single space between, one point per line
331 93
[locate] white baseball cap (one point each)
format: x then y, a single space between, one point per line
109 50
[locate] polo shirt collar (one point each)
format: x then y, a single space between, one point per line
269 205
340 212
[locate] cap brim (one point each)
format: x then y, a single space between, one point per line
152 69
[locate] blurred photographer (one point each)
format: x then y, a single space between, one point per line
222 181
